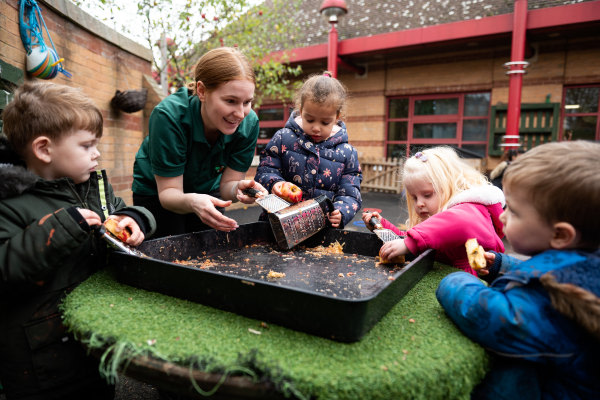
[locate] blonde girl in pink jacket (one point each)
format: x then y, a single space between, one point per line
448 203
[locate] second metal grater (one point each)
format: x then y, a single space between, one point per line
117 244
386 235
271 202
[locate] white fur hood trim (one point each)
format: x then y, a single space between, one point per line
484 194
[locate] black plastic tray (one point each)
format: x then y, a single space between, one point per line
340 297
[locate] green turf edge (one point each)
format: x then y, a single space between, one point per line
414 352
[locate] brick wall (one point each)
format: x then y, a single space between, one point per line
101 62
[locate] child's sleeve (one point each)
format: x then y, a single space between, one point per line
347 198
502 263
269 169
29 254
505 321
450 229
388 225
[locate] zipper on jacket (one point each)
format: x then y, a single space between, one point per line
81 201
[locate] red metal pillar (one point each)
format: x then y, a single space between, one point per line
516 70
332 51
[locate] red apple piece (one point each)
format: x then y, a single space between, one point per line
288 191
111 226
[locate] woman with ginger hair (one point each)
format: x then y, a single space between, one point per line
200 144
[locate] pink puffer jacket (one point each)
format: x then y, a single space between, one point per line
473 213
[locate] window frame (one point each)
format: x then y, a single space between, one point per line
271 123
564 114
413 119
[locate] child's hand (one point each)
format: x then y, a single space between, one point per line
137 236
489 258
335 218
393 249
366 217
90 216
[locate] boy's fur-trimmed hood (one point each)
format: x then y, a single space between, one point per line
14 180
14 177
575 292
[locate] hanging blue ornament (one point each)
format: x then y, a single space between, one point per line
42 62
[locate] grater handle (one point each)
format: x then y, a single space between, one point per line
251 192
375 223
116 243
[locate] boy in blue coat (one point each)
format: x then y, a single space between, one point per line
541 315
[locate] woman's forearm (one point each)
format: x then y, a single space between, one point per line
229 189
229 184
176 201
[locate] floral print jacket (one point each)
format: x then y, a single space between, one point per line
330 167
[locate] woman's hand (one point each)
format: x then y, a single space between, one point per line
233 183
204 206
247 184
335 218
171 196
366 217
393 249
137 236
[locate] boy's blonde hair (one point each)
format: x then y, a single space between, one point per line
221 65
323 89
447 172
562 181
48 109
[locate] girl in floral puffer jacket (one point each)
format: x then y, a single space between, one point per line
313 152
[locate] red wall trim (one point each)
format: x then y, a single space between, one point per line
496 25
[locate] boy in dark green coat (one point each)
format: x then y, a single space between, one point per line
48 207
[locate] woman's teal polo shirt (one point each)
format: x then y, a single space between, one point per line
176 145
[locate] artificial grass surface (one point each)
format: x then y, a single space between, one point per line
414 352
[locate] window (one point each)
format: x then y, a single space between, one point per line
271 119
581 113
11 78
457 120
538 123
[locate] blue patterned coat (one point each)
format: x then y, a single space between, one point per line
545 310
330 167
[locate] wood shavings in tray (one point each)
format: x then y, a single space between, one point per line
322 269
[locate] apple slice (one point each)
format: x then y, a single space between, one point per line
111 226
287 191
475 254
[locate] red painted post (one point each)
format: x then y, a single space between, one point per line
332 10
332 51
516 70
